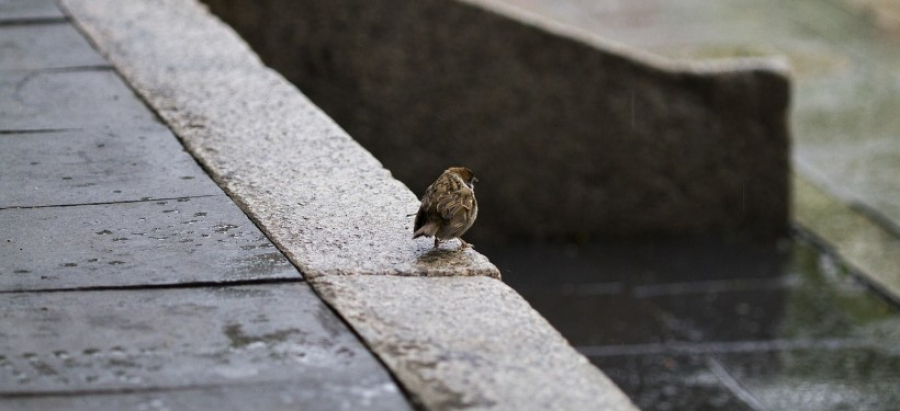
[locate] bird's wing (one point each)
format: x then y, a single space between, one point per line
456 206
427 207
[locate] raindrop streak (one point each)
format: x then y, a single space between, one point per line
632 108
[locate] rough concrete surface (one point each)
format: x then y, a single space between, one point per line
177 241
339 215
97 166
33 47
41 100
571 136
271 346
469 343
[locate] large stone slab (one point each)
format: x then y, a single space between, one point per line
277 396
468 343
570 135
19 10
97 166
269 346
41 100
181 241
45 46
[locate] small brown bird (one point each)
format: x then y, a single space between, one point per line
448 207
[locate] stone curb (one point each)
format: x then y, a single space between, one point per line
448 330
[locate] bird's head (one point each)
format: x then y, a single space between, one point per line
465 174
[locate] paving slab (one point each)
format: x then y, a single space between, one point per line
47 100
264 345
177 241
97 166
12 11
277 396
45 46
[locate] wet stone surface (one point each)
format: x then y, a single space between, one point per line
42 100
671 382
97 166
780 328
45 46
18 10
273 346
863 378
180 241
277 396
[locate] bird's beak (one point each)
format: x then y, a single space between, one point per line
474 180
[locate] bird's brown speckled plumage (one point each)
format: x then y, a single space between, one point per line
448 207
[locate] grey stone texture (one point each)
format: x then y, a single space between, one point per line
570 136
42 100
97 166
270 346
177 241
468 343
24 10
341 218
45 46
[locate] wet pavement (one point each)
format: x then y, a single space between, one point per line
705 326
128 279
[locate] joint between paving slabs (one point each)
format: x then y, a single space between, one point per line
197 284
142 200
34 21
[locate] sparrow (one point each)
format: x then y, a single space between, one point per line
448 207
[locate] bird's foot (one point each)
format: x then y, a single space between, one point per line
437 243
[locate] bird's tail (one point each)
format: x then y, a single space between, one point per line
427 230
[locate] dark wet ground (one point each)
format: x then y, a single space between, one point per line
705 326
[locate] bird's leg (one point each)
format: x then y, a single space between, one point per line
437 243
464 245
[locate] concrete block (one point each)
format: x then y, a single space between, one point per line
41 100
272 346
97 166
468 343
45 46
183 241
571 136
